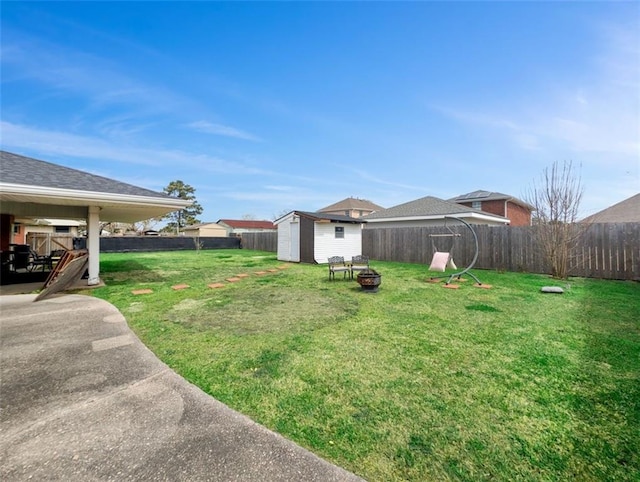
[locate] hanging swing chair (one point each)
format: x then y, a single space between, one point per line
443 258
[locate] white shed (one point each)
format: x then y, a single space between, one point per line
314 237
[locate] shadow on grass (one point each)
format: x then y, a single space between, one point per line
607 400
128 271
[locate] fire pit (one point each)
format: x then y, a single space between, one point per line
369 279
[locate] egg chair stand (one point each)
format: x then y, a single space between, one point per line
441 259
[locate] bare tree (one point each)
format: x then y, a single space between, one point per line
146 225
556 199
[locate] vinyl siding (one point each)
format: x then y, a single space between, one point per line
327 245
284 239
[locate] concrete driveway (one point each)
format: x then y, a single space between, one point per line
83 399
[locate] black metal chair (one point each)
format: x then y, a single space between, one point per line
337 265
36 260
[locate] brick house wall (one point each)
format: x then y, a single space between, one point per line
518 215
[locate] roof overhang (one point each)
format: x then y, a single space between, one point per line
320 218
29 200
435 217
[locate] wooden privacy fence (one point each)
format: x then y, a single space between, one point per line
260 241
608 251
44 243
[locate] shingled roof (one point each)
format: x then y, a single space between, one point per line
481 195
17 169
627 211
352 203
426 207
335 218
34 188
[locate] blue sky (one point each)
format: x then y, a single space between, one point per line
268 107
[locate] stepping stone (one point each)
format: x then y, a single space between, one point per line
552 289
216 285
243 275
180 287
272 270
142 292
452 287
483 286
233 280
434 280
283 266
260 272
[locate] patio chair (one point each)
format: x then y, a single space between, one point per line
359 263
36 260
337 265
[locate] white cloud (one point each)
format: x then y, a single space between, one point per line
49 143
221 130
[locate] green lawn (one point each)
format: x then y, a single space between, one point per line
416 382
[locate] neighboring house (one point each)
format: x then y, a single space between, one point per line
23 226
235 227
315 237
627 211
30 188
213 230
46 235
351 206
515 210
429 211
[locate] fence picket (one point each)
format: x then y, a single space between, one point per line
610 251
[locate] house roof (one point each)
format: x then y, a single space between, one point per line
27 185
352 203
430 207
316 216
489 196
201 225
247 224
627 211
18 169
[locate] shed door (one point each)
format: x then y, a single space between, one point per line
294 244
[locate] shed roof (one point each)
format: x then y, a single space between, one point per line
626 211
315 216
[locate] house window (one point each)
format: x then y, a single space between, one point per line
346 213
16 229
476 204
339 232
62 229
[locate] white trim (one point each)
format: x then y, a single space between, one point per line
482 217
90 196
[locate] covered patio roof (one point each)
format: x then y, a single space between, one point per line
30 187
34 188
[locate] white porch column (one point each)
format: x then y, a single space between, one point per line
93 245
